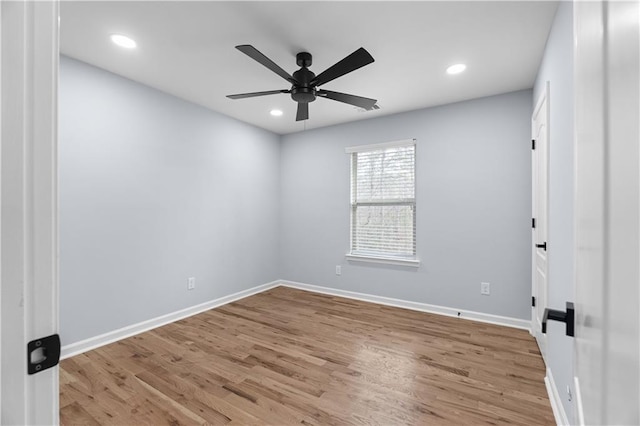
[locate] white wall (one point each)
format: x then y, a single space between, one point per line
557 68
473 195
154 190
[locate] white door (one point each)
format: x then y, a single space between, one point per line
540 183
606 345
28 210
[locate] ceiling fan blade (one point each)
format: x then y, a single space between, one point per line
254 94
357 59
303 111
358 101
256 55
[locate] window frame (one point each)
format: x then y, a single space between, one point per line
411 260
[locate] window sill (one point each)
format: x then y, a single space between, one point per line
386 260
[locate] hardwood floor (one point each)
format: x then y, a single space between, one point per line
287 356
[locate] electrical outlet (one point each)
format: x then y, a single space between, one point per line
485 289
191 283
338 270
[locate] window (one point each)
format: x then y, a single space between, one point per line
383 203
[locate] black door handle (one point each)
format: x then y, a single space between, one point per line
543 246
567 317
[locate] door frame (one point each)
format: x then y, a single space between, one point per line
543 98
29 56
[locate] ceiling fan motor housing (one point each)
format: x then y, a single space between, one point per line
302 91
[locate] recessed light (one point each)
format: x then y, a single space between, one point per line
123 41
276 112
456 69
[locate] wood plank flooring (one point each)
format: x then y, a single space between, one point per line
287 357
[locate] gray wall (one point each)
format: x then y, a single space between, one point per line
154 190
557 68
473 206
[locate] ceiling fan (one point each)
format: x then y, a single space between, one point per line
305 83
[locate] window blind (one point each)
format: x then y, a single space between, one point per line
383 206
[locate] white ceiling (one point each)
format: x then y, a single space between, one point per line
187 49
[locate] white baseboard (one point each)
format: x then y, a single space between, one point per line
416 306
578 417
554 398
131 330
